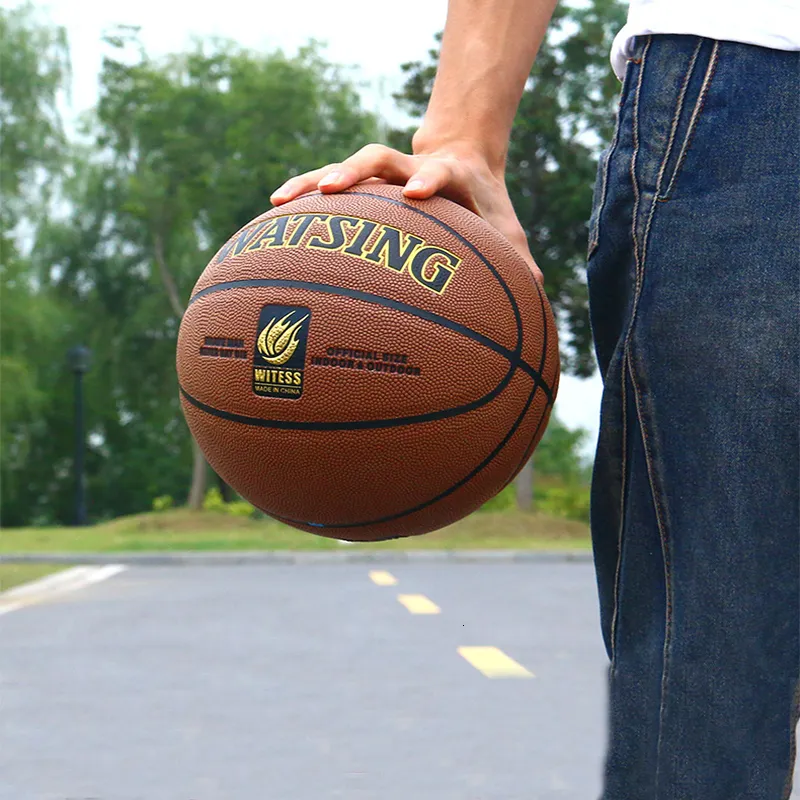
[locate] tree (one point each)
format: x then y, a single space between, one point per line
179 154
566 110
34 70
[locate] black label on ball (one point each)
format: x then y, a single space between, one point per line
280 351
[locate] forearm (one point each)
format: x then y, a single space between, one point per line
488 49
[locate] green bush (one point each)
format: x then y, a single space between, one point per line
505 500
567 500
213 501
162 503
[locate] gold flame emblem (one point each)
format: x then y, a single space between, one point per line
278 341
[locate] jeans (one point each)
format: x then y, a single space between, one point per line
693 273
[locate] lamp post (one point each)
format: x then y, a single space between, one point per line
79 357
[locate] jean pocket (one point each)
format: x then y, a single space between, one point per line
688 110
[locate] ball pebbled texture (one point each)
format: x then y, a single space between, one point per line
398 402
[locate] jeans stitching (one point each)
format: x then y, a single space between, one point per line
601 201
640 264
636 193
698 107
658 507
676 118
635 126
624 470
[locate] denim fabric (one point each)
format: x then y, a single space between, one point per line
694 290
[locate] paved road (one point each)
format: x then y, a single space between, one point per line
307 682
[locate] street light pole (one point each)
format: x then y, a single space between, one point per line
79 362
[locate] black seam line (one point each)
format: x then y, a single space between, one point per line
472 474
512 356
433 500
353 425
528 451
467 243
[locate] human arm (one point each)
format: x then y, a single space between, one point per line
459 151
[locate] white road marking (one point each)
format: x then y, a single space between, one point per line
50 586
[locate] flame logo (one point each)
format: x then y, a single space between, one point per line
278 341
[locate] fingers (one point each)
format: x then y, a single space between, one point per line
372 161
429 177
300 184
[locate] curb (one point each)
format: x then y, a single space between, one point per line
283 557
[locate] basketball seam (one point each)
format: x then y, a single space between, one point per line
512 356
448 491
514 363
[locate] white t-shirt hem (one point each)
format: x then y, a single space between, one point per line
773 23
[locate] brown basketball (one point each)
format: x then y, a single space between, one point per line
364 366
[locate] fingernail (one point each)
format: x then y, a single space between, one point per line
414 186
330 179
281 191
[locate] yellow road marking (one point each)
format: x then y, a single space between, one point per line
382 578
494 663
418 604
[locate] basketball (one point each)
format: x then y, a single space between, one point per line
364 366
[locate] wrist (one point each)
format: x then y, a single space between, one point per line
429 141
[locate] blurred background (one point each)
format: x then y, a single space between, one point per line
136 137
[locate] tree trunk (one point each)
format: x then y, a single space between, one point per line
197 491
227 493
524 487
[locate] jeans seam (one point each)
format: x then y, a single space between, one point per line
698 107
658 508
635 126
635 183
624 471
594 234
676 118
639 258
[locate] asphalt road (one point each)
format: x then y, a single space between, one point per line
308 682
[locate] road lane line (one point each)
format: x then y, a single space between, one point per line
50 586
418 604
382 578
494 663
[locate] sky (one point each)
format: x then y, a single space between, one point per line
356 32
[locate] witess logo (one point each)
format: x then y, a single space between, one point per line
280 351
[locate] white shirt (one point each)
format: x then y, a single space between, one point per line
767 23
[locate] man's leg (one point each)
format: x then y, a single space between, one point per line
694 281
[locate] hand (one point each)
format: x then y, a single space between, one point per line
457 173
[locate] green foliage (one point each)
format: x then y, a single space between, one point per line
561 476
566 110
559 454
213 501
570 501
162 503
179 154
34 69
505 500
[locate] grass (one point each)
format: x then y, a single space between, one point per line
14 574
181 529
